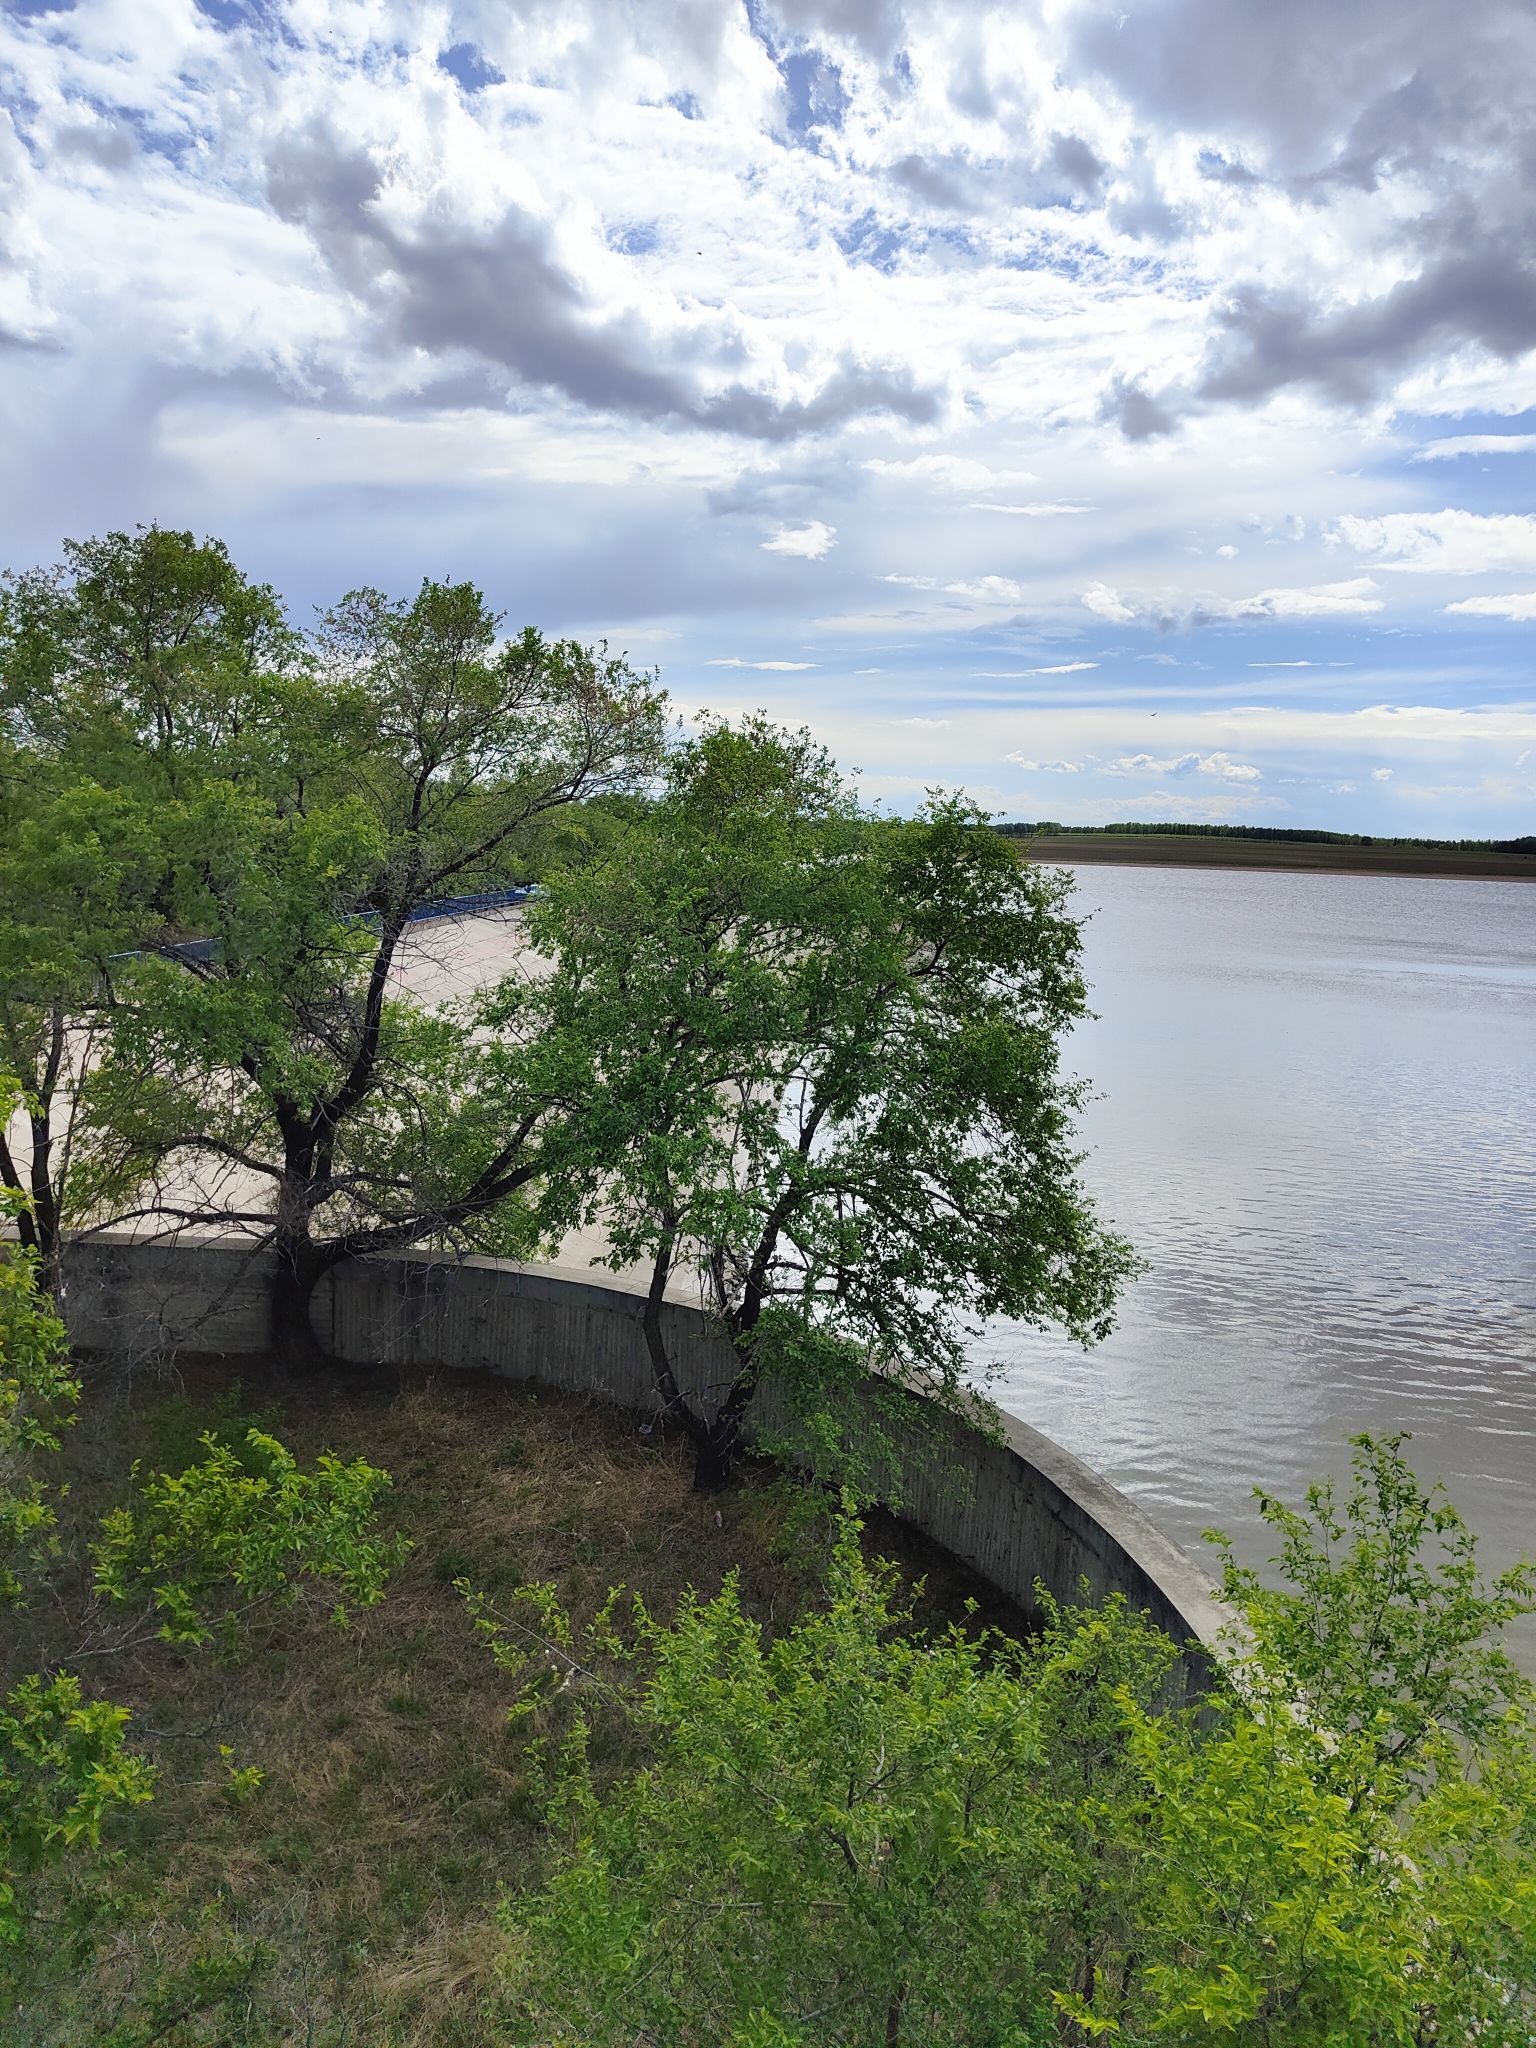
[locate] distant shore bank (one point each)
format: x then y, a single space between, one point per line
1132 849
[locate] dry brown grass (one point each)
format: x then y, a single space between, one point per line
352 1902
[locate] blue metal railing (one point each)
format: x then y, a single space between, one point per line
466 906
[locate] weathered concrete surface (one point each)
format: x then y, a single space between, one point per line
1018 1509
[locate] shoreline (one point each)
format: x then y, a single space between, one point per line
1283 856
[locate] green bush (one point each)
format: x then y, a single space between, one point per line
855 1835
191 1556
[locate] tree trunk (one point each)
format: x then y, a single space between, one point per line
714 1463
299 1266
44 1217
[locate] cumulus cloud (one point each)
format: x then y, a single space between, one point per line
1168 613
1046 767
1222 766
1108 604
503 287
1448 543
1453 445
947 472
988 590
1522 605
1127 404
594 303
1269 339
1381 775
1414 99
980 590
808 543
1318 601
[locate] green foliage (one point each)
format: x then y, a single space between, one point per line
242 1782
37 1403
179 1422
64 1770
852 1835
213 834
1384 1622
204 1548
810 1056
210 1545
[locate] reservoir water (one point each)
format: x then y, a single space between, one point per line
1315 1117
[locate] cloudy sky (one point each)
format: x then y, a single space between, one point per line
1123 410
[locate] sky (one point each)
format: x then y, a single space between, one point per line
1118 411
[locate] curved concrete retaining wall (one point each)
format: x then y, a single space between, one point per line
1016 1510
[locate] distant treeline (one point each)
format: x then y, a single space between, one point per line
1050 827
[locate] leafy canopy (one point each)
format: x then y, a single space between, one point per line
810 1057
848 1834
218 829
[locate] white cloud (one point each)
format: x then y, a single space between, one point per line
989 590
1228 552
1010 675
1447 543
1046 767
1107 604
595 335
1219 765
1476 444
807 543
1171 611
733 661
983 590
1522 605
1381 775
957 473
934 723
1041 511
1317 601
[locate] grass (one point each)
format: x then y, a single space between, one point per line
349 1899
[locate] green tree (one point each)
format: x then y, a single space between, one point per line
261 1065
810 1057
134 668
190 1558
852 1835
73 863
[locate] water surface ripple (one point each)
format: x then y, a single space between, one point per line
1315 1117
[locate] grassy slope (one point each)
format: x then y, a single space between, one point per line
1138 849
396 1807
